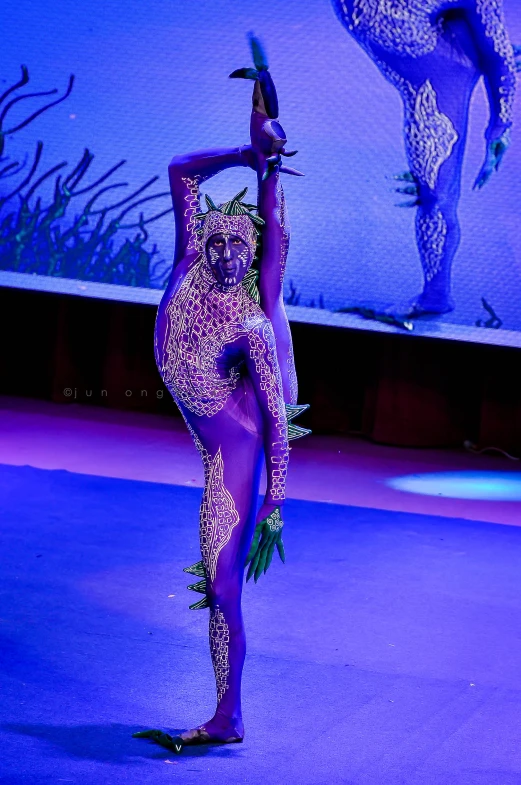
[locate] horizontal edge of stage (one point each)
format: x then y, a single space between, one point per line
319 316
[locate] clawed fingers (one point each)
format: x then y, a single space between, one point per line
482 177
267 546
500 153
280 548
261 552
255 542
253 566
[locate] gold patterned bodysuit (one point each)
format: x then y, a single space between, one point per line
203 318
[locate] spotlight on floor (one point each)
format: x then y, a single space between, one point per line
496 486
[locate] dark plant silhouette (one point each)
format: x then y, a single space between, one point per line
37 234
493 322
293 298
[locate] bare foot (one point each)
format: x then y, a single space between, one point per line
220 730
423 305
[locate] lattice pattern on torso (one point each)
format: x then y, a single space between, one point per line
202 319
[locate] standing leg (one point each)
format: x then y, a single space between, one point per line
435 149
232 457
436 119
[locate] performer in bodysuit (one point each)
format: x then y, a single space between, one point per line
223 348
434 52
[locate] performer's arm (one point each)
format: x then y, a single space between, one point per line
496 60
186 173
272 263
263 369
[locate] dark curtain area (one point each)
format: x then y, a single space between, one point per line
393 389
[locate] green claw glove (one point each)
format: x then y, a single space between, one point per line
496 150
267 536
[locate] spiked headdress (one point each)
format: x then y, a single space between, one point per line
233 217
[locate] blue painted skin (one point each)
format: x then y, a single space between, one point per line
239 423
450 43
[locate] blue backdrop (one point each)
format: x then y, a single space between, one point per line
151 81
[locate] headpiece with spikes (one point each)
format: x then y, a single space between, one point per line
233 217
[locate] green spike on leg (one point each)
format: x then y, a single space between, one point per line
200 586
196 569
295 410
415 203
297 432
198 605
407 177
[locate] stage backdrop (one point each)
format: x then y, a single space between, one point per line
151 81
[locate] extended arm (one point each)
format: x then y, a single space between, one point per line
496 61
186 173
272 263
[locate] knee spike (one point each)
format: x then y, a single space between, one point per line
292 411
200 586
196 569
201 604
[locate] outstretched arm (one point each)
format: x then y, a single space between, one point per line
497 63
275 245
496 58
186 173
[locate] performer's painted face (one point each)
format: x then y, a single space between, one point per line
229 257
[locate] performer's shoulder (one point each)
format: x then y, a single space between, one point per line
257 324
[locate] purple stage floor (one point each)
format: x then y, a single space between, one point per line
135 446
385 652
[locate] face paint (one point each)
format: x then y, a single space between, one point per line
229 257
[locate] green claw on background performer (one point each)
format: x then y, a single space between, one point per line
267 536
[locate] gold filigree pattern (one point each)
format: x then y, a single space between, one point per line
274 521
431 234
218 516
491 12
403 27
430 135
413 27
204 317
192 200
263 353
283 220
219 644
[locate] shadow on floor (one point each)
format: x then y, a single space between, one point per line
111 743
